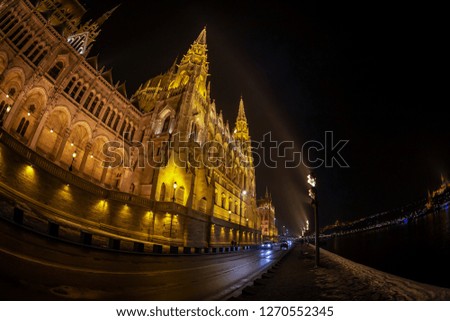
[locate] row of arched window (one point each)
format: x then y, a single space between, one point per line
94 104
20 35
227 204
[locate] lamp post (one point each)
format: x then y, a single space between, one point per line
73 159
243 193
174 189
312 192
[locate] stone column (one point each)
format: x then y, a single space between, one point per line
105 171
62 144
87 149
37 128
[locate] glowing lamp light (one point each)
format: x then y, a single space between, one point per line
7 96
92 156
51 130
175 185
71 144
311 180
244 192
74 155
8 109
28 114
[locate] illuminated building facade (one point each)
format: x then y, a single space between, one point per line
189 179
266 212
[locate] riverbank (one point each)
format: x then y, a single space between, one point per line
295 278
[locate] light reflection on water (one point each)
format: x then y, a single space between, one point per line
419 250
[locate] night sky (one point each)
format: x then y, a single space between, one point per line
369 72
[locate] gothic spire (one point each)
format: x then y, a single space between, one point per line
241 130
106 16
241 112
83 39
201 39
267 193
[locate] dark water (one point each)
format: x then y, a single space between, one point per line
418 250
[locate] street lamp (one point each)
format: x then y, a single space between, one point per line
174 189
73 159
312 192
243 193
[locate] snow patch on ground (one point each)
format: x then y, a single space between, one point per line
341 278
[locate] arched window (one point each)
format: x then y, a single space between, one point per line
162 194
75 89
111 118
127 131
70 85
33 54
3 107
94 103
166 124
133 130
105 116
23 126
22 122
116 123
15 32
88 100
30 48
10 23
99 109
23 41
122 128
20 37
11 92
56 70
81 94
41 56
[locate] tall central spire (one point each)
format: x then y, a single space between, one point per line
201 39
197 53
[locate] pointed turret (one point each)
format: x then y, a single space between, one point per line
100 21
241 130
201 39
267 193
197 53
241 113
82 40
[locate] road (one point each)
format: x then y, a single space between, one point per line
33 267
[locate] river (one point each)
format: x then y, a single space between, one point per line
418 250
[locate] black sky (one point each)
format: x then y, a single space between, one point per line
367 71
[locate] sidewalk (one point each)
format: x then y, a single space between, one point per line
295 278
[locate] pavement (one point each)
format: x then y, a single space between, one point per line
295 278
